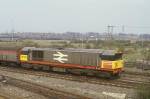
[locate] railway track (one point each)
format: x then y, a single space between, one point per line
137 74
40 89
139 78
124 83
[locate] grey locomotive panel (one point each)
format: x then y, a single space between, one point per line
81 58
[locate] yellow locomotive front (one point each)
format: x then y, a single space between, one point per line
112 62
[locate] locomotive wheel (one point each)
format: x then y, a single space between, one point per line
91 74
114 76
118 75
28 66
46 68
37 67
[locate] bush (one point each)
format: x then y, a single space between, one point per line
87 46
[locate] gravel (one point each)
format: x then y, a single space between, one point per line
93 91
12 92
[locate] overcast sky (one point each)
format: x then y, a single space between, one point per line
74 15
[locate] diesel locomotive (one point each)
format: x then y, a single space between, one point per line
107 63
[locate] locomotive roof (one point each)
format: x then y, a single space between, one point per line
100 51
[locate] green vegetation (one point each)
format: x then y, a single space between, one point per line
146 54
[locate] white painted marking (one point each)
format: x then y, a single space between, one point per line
60 57
115 95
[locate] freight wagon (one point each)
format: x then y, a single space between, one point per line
9 55
87 61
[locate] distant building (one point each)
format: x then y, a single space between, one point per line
72 36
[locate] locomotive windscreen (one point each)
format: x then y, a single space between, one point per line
111 57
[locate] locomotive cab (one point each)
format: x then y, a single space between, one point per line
112 62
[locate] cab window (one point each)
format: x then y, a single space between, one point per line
111 57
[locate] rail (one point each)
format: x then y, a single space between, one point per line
124 83
41 89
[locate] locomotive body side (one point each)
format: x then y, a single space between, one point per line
73 59
60 58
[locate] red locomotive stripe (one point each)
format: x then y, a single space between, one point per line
7 52
61 65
